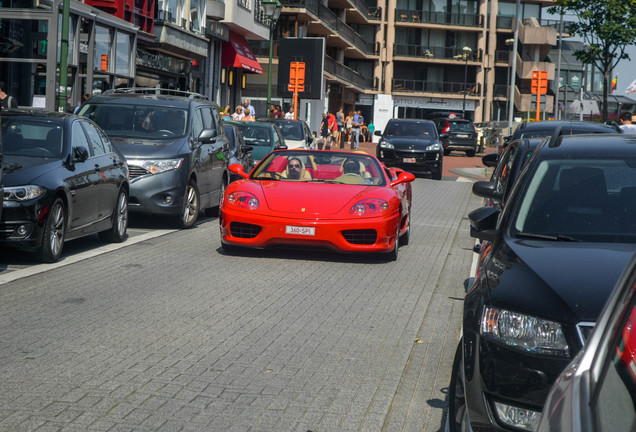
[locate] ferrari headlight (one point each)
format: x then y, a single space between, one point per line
369 206
156 166
434 147
386 145
23 193
243 200
524 332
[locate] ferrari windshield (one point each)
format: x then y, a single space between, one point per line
579 200
320 167
138 121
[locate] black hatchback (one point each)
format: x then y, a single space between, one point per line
413 145
175 146
555 251
62 180
457 134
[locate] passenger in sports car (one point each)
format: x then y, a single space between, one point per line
295 170
351 173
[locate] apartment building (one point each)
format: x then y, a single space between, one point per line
420 58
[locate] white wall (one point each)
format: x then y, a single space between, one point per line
382 112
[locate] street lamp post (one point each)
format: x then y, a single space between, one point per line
271 9
467 51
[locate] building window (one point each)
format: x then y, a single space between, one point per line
122 63
103 45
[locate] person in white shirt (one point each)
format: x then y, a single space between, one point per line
289 115
238 114
626 123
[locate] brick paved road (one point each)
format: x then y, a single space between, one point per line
169 334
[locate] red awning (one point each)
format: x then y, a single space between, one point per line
237 53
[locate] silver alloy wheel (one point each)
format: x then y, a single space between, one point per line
56 234
122 215
191 205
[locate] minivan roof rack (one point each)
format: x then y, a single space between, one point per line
156 91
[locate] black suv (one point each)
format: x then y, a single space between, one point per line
176 149
555 251
567 127
412 145
457 134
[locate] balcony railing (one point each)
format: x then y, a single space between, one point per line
505 22
555 24
332 21
361 6
404 85
446 18
347 74
375 13
430 52
259 14
245 4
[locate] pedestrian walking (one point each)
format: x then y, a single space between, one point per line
626 122
6 101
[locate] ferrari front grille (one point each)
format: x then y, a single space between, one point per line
361 236
244 230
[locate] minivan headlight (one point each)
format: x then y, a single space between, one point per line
155 166
524 332
23 193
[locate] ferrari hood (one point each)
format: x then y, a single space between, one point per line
317 199
560 280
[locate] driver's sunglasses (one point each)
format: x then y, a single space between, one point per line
294 165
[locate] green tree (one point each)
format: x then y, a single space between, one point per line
606 27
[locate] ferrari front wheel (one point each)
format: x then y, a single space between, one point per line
393 255
404 240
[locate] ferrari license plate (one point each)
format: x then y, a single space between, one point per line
298 230
409 160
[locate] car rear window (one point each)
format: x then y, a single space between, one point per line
461 126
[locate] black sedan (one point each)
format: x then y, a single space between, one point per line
240 153
556 250
413 145
62 180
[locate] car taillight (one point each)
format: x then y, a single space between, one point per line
446 129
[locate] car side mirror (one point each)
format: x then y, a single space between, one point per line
238 169
487 189
403 177
490 160
208 136
377 133
80 154
483 223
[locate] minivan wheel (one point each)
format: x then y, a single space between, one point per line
54 232
117 233
191 206
470 153
457 411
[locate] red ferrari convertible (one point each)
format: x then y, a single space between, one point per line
345 201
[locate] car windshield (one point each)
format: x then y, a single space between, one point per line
579 199
256 134
320 167
410 129
291 130
138 121
461 126
40 138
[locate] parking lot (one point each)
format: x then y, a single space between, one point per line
168 333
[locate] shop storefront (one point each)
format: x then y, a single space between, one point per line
100 53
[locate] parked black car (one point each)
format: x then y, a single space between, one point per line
62 180
568 127
597 391
556 250
176 149
240 153
457 134
413 145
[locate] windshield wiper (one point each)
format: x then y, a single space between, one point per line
558 237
